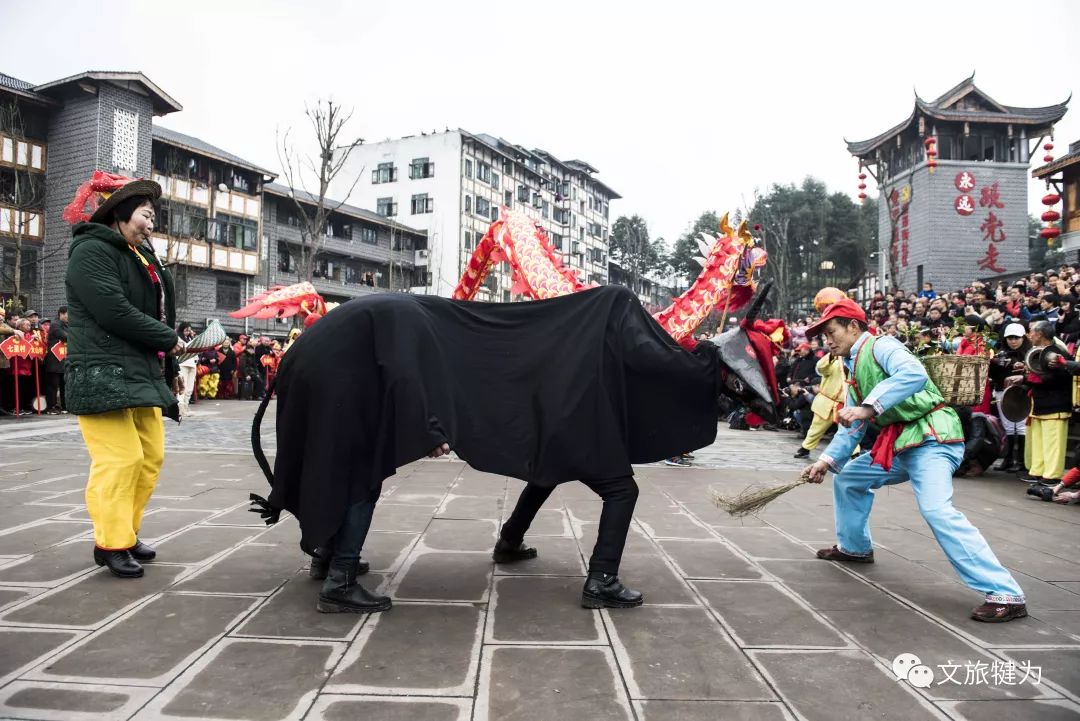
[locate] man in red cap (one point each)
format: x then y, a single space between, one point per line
920 440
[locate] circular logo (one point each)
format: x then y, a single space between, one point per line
964 181
965 205
902 664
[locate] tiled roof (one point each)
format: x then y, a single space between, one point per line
200 146
285 191
6 81
943 108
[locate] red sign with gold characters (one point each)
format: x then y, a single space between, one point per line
37 350
964 182
964 205
59 351
15 347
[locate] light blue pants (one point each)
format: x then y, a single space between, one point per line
929 467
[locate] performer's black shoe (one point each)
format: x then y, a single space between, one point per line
506 552
342 594
991 612
802 453
142 552
605 590
1028 478
120 563
835 554
320 565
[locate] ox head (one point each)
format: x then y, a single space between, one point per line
747 364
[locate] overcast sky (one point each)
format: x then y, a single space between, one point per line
683 107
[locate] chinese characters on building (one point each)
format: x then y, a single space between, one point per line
992 227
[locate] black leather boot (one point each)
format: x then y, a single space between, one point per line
605 590
321 564
1006 457
506 552
342 594
1018 454
142 552
120 563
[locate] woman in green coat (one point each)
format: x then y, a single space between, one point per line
121 343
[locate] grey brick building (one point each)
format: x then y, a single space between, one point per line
961 214
226 230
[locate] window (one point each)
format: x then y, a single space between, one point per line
544 209
402 242
594 230
556 241
523 194
236 181
287 214
234 232
494 212
368 235
468 240
228 292
421 203
468 203
29 269
125 139
335 228
508 198
494 180
352 273
421 168
508 167
385 173
386 207
483 172
561 216
483 206
285 261
182 221
468 168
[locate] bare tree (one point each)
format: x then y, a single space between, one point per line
23 190
328 121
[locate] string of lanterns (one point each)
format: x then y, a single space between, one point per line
1050 231
931 153
862 185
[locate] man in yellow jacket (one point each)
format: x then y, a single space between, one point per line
827 402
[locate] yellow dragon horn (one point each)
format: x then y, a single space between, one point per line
725 229
744 234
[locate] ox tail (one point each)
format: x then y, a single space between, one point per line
269 513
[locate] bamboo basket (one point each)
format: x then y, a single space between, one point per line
960 378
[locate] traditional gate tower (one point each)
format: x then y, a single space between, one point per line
953 180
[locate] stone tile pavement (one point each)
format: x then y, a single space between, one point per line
740 621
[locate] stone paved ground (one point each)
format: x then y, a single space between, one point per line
741 622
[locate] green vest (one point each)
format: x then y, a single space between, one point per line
916 413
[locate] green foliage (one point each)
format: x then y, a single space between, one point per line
686 248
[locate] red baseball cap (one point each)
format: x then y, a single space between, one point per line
846 308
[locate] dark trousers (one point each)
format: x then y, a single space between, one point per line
348 542
54 391
619 496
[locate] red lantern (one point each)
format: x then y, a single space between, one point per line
862 176
862 196
1049 232
862 186
1051 216
1048 147
1048 158
1051 199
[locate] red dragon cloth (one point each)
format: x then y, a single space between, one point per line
285 302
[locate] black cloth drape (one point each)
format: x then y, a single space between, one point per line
575 387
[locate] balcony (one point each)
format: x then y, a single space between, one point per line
24 223
201 254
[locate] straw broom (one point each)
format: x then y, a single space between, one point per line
754 498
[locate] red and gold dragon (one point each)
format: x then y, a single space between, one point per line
726 281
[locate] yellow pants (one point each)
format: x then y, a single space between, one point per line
818 428
1044 454
127 448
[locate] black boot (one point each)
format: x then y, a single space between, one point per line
119 562
506 552
321 564
605 590
1018 455
142 552
1006 457
342 594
